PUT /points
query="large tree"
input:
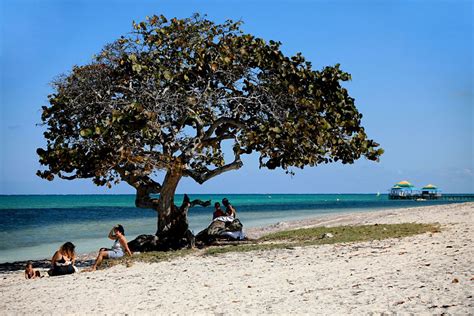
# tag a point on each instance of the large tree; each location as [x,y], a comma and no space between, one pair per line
[165,97]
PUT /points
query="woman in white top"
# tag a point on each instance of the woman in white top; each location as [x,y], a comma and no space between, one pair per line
[117,234]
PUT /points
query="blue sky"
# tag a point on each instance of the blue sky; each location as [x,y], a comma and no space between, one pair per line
[411,65]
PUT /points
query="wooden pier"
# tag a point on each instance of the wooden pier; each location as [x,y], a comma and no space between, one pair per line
[457,197]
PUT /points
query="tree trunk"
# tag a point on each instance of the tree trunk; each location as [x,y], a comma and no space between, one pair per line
[173,229]
[166,206]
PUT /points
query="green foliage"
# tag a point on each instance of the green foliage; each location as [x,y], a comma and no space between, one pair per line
[148,257]
[342,234]
[167,95]
[292,238]
[352,233]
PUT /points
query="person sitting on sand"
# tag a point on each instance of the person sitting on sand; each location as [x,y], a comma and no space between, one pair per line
[31,273]
[218,212]
[117,233]
[229,209]
[63,260]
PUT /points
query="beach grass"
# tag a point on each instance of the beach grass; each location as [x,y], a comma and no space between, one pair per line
[149,257]
[352,233]
[292,238]
[328,235]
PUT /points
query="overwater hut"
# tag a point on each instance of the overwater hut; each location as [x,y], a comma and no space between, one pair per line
[430,192]
[403,190]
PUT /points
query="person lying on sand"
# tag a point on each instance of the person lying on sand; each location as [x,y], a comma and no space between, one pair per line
[31,273]
[120,245]
[63,260]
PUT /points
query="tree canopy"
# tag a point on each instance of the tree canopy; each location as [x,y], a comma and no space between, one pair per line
[168,94]
[165,97]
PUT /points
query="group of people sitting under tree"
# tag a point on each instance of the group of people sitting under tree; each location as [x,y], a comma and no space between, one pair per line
[224,225]
[65,257]
[229,209]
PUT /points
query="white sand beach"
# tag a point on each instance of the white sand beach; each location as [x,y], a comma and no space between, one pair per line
[432,273]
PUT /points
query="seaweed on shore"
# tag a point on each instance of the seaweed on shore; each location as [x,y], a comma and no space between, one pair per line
[38,264]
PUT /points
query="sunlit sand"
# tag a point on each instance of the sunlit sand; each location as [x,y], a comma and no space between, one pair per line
[430,273]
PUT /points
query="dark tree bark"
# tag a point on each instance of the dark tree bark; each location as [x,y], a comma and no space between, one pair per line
[167,219]
[173,226]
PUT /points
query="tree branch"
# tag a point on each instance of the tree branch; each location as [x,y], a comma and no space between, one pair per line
[219,122]
[188,203]
[189,119]
[144,200]
[199,125]
[145,186]
[75,176]
[220,138]
[204,174]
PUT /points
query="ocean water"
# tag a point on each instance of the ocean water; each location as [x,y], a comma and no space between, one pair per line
[34,226]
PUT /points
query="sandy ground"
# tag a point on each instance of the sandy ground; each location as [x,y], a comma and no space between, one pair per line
[424,274]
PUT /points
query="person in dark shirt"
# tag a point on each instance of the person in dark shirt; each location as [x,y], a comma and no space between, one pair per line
[217,211]
[63,260]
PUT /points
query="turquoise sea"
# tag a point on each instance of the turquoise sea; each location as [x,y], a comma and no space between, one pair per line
[34,226]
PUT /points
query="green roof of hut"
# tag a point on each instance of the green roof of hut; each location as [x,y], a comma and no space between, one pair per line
[404,184]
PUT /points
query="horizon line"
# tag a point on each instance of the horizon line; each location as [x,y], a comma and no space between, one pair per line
[226,193]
